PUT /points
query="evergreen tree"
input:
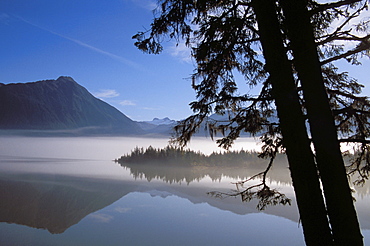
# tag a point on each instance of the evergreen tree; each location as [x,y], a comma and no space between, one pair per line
[298,81]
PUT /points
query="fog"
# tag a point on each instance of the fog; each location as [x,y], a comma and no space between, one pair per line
[100,148]
[60,154]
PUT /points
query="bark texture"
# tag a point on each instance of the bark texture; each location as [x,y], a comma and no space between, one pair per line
[301,160]
[338,197]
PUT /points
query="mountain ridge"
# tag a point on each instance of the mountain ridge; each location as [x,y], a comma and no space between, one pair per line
[62,107]
[60,104]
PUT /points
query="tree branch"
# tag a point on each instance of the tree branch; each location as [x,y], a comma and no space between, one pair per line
[364,45]
[349,109]
[348,95]
[323,7]
[354,140]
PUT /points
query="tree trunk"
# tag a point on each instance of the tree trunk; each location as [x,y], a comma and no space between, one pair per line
[301,161]
[341,211]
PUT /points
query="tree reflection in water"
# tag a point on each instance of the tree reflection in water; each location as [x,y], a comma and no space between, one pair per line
[176,165]
[55,202]
[172,164]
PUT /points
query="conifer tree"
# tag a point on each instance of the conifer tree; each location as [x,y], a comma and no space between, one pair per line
[297,80]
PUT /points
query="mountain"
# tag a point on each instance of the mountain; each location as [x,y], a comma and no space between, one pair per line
[166,126]
[164,121]
[61,105]
[158,126]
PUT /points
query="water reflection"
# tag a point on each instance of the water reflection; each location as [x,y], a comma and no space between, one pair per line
[54,202]
[171,173]
[279,177]
[49,199]
[50,194]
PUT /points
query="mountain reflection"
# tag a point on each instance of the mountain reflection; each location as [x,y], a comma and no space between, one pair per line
[279,177]
[54,203]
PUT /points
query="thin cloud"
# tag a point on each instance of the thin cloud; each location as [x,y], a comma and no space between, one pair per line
[107,94]
[4,18]
[154,109]
[146,4]
[100,217]
[122,210]
[351,27]
[127,103]
[181,51]
[85,45]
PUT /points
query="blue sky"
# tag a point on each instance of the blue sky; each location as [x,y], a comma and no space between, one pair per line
[90,40]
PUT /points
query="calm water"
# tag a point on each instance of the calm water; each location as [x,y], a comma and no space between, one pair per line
[67,191]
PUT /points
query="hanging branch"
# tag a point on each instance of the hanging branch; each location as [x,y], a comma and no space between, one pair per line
[261,191]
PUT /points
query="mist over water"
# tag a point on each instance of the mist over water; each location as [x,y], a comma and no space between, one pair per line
[72,191]
[100,148]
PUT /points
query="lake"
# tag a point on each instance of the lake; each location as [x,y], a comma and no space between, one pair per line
[68,191]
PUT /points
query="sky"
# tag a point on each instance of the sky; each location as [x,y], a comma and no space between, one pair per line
[90,41]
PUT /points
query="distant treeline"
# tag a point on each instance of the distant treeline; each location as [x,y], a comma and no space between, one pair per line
[176,165]
[172,164]
[171,155]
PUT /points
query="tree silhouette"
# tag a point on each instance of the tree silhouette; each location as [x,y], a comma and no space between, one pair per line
[298,84]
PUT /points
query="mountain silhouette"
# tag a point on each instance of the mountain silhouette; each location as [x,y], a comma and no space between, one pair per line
[60,104]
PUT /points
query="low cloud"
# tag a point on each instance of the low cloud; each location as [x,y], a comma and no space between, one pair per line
[106,93]
[127,103]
